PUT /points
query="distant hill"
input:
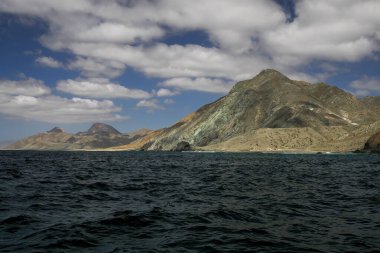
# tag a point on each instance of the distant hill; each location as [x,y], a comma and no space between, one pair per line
[98,136]
[101,129]
[273,112]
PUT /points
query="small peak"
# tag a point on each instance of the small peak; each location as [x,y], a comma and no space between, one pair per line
[101,128]
[56,130]
[270,73]
[265,76]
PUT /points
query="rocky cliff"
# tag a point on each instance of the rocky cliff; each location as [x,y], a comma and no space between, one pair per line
[273,112]
[373,144]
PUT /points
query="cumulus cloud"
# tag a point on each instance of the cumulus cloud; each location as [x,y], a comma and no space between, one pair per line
[109,36]
[92,67]
[366,86]
[99,88]
[108,32]
[29,86]
[326,30]
[119,33]
[112,21]
[49,62]
[151,105]
[166,93]
[31,99]
[54,109]
[199,84]
[234,26]
[167,61]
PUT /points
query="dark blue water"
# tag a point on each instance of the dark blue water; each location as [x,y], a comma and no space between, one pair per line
[188,202]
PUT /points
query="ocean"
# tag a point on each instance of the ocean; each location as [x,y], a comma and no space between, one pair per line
[188,202]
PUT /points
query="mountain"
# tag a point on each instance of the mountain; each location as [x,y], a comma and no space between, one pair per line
[272,112]
[98,136]
[101,129]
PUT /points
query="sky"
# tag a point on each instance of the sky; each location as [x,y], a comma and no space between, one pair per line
[148,63]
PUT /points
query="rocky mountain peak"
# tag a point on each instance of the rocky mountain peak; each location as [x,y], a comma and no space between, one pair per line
[101,128]
[56,130]
[266,78]
[270,73]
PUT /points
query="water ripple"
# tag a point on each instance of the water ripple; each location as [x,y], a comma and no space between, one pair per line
[188,202]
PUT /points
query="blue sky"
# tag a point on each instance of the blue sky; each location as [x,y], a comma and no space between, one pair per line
[148,63]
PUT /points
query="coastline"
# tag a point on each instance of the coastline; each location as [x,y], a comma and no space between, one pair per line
[282,151]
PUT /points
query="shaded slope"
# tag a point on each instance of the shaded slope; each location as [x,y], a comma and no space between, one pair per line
[373,143]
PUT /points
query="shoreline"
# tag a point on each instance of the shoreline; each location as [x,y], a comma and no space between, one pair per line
[286,152]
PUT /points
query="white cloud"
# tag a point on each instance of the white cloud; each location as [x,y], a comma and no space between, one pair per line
[233,23]
[199,84]
[366,86]
[80,27]
[119,33]
[31,99]
[49,62]
[95,89]
[326,30]
[247,36]
[29,87]
[56,109]
[111,21]
[168,61]
[166,93]
[152,105]
[91,67]
[24,100]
